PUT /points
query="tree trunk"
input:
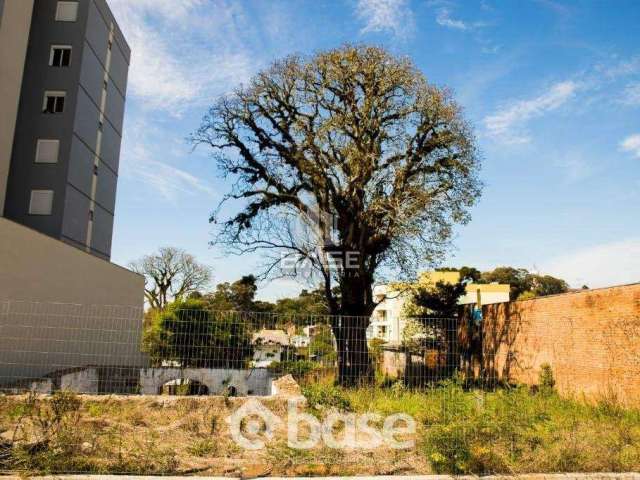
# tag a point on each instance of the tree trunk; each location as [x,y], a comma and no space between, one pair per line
[355,366]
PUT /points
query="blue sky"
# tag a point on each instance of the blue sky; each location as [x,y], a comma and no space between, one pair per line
[552,88]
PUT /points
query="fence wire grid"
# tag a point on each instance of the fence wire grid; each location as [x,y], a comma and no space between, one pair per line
[100,389]
[120,350]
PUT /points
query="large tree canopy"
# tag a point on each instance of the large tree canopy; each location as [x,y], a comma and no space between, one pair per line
[350,154]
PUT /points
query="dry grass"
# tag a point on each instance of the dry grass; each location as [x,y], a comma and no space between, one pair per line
[509,431]
[159,435]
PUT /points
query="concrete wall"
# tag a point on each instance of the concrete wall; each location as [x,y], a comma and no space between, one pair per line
[62,308]
[83,381]
[40,269]
[15,22]
[149,381]
[217,380]
[591,340]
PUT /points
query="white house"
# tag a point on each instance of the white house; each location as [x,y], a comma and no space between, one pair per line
[300,341]
[268,347]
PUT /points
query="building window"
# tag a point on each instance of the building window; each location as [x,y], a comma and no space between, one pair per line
[60,56]
[47,151]
[41,202]
[53,102]
[67,12]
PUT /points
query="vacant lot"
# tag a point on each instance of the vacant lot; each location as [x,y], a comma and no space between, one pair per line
[458,430]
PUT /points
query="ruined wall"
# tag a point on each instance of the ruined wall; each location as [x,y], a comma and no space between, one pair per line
[591,340]
[245,382]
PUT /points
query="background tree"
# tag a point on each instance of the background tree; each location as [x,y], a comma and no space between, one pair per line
[191,335]
[322,347]
[170,274]
[237,296]
[439,300]
[438,312]
[525,285]
[547,285]
[299,309]
[516,277]
[348,153]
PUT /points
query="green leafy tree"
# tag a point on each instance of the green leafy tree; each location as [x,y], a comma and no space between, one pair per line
[238,296]
[525,285]
[438,307]
[351,155]
[471,274]
[440,300]
[547,285]
[322,347]
[518,278]
[300,310]
[188,334]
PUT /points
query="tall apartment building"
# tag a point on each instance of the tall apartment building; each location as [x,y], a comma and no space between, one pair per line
[63,78]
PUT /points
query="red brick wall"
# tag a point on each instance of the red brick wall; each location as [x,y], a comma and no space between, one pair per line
[591,340]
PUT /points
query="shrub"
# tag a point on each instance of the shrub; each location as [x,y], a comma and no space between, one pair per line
[327,396]
[546,382]
[297,368]
[50,433]
[189,334]
[202,448]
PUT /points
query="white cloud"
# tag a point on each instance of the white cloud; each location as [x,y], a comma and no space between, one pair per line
[443,18]
[506,124]
[631,95]
[386,16]
[631,144]
[556,7]
[614,263]
[143,146]
[170,69]
[620,68]
[169,181]
[575,167]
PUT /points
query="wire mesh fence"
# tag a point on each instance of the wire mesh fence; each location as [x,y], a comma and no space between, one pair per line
[119,350]
[175,392]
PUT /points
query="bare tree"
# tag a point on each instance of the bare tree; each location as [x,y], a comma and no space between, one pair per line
[170,274]
[348,164]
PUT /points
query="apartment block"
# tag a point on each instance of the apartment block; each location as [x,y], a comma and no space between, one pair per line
[63,80]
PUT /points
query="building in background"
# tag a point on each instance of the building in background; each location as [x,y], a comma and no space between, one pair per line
[388,320]
[269,346]
[63,304]
[63,81]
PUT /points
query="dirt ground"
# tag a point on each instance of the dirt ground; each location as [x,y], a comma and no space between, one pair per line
[177,435]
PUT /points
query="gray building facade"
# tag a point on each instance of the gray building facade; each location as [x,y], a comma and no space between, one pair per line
[66,146]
